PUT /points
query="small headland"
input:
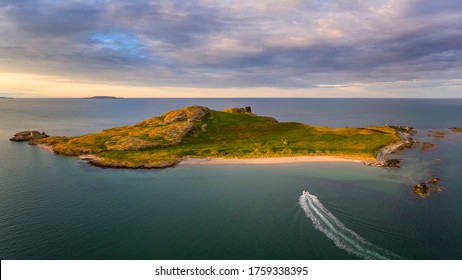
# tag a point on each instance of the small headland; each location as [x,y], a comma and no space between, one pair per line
[102,97]
[407,141]
[30,136]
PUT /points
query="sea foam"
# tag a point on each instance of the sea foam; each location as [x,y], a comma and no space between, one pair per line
[344,238]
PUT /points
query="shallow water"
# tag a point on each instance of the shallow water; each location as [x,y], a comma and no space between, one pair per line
[54,207]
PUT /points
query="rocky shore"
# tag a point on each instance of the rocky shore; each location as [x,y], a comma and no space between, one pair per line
[98,162]
[423,189]
[456,129]
[28,136]
[406,134]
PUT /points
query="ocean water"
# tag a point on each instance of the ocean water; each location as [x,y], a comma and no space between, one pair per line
[55,207]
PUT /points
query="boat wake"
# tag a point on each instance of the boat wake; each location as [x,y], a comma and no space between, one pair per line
[344,238]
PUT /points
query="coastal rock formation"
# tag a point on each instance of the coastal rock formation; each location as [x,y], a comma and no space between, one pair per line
[435,181]
[394,163]
[30,136]
[456,129]
[245,110]
[423,189]
[407,142]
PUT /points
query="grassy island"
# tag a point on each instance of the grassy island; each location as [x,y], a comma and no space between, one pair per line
[199,132]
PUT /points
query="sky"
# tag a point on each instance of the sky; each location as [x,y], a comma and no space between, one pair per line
[231,48]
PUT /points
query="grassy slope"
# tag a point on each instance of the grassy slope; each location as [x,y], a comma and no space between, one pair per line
[234,135]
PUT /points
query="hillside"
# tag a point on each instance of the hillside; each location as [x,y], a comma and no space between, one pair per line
[200,132]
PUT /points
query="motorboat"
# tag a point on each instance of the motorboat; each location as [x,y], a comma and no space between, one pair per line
[305,192]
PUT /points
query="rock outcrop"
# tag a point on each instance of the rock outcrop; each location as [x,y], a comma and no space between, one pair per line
[423,189]
[29,135]
[456,129]
[407,142]
[245,110]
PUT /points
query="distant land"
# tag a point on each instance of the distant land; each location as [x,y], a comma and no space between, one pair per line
[103,97]
[198,132]
[1,97]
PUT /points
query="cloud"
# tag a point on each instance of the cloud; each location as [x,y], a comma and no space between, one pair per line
[234,43]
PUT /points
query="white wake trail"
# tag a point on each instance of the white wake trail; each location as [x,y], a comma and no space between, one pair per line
[344,238]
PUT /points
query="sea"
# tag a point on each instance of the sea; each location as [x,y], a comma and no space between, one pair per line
[56,207]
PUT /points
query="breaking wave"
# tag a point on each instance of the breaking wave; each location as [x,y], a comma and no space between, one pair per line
[344,238]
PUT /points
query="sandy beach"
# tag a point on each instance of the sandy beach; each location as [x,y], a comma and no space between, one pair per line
[45,147]
[230,161]
[277,160]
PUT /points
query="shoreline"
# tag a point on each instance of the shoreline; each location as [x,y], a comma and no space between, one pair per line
[380,160]
[95,161]
[264,161]
[407,141]
[45,147]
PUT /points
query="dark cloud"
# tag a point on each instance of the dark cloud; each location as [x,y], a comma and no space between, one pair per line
[234,43]
[47,18]
[425,7]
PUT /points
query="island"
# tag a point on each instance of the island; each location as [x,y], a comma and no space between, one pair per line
[29,136]
[103,97]
[202,135]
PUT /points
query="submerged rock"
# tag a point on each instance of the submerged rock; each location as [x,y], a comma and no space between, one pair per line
[427,146]
[438,134]
[29,135]
[435,181]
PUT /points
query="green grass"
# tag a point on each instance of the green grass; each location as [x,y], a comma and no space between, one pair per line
[239,135]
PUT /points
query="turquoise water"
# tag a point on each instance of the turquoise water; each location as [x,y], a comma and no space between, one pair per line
[54,207]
